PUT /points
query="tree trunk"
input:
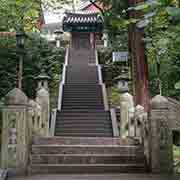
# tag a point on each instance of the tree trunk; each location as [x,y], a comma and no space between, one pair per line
[139,62]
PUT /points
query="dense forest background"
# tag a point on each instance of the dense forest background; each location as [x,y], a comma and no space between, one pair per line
[160,20]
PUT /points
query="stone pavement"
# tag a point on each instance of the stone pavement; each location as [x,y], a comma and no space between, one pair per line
[99,177]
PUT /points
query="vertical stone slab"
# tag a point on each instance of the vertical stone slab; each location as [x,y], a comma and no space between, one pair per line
[34,118]
[161,137]
[14,152]
[127,113]
[42,99]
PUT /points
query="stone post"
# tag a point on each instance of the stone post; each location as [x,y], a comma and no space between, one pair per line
[15,140]
[127,113]
[142,130]
[161,137]
[139,122]
[34,118]
[42,98]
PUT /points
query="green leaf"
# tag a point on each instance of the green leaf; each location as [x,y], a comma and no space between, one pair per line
[174,12]
[177,85]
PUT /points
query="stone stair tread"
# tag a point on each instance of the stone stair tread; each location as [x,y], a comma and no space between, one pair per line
[84,140]
[81,130]
[83,125]
[96,165]
[93,146]
[88,155]
[84,110]
[84,134]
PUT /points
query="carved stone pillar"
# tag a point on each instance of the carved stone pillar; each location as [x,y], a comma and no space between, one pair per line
[161,136]
[15,139]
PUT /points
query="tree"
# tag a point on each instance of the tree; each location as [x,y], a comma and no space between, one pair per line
[161,22]
[19,14]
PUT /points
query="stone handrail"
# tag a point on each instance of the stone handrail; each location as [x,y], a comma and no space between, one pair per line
[99,74]
[53,122]
[104,93]
[114,122]
[105,98]
[63,80]
[96,56]
[67,56]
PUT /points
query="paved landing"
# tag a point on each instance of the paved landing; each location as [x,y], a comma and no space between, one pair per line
[98,177]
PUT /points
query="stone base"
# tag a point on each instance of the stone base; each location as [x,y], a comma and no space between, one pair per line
[3,174]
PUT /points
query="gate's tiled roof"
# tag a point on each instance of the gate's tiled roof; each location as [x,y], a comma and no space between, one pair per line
[82,18]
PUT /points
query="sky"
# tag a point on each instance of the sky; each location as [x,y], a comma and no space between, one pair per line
[55,17]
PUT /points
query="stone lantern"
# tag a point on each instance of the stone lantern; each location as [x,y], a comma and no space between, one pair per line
[58,35]
[42,81]
[121,83]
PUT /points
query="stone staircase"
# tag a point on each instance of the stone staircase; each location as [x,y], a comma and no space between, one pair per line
[86,155]
[83,123]
[82,111]
[83,141]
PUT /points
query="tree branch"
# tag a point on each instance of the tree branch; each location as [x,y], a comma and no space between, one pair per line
[93,3]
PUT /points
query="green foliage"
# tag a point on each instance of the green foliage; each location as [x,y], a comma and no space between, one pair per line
[163,45]
[116,21]
[19,14]
[161,21]
[176,151]
[113,96]
[39,55]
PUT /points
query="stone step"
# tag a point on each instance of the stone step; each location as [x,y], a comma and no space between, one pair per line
[85,91]
[82,107]
[71,117]
[84,111]
[81,101]
[87,134]
[83,68]
[83,86]
[83,115]
[87,149]
[72,93]
[83,130]
[83,96]
[83,141]
[86,159]
[82,104]
[79,120]
[69,81]
[86,168]
[78,80]
[63,124]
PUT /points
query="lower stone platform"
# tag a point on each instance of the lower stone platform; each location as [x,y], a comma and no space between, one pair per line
[99,177]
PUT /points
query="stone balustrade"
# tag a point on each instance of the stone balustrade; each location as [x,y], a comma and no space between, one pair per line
[22,119]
